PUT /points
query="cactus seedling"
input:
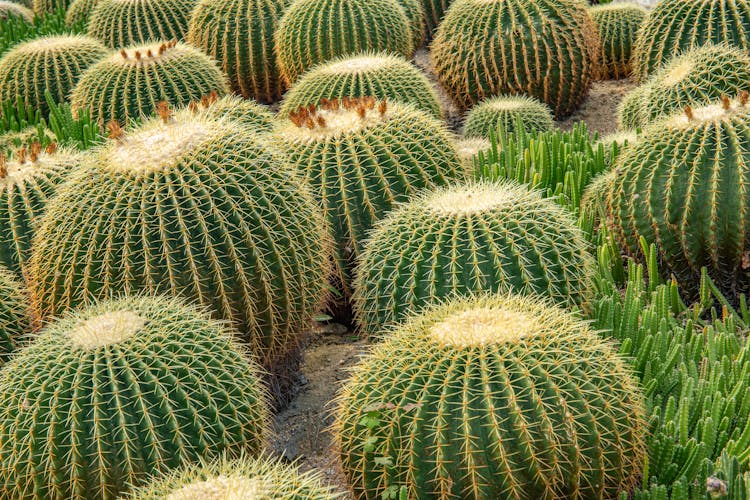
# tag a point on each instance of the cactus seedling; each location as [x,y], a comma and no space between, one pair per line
[505,113]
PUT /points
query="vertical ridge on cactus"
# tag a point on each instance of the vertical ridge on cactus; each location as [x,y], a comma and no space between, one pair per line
[415,14]
[15,323]
[505,113]
[618,25]
[79,11]
[434,12]
[42,7]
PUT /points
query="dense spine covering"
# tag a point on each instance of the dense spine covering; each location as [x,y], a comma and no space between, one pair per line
[548,49]
[122,390]
[42,7]
[361,158]
[415,14]
[468,239]
[359,26]
[494,397]
[248,113]
[594,199]
[468,149]
[80,11]
[618,25]
[379,75]
[675,26]
[434,12]
[505,113]
[631,113]
[15,9]
[15,323]
[195,207]
[239,34]
[11,141]
[53,64]
[682,187]
[128,85]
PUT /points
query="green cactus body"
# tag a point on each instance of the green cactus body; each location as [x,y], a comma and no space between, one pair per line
[42,7]
[80,11]
[240,479]
[15,9]
[60,59]
[359,26]
[621,139]
[122,23]
[469,239]
[122,390]
[248,113]
[381,75]
[505,112]
[15,324]
[361,165]
[696,78]
[239,34]
[618,25]
[468,149]
[682,187]
[494,397]
[594,199]
[415,14]
[128,85]
[434,12]
[12,141]
[195,207]
[631,113]
[676,26]
[548,49]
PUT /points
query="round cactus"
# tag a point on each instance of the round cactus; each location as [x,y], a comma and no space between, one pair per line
[53,64]
[122,390]
[548,49]
[248,113]
[381,76]
[15,10]
[362,157]
[128,85]
[468,149]
[618,25]
[631,113]
[121,23]
[676,26]
[239,34]
[79,12]
[622,139]
[42,7]
[359,26]
[696,78]
[434,12]
[505,112]
[594,199]
[243,478]
[15,323]
[492,397]
[682,187]
[469,239]
[415,14]
[197,207]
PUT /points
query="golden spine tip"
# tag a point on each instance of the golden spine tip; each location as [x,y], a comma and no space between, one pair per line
[164,112]
[21,154]
[51,148]
[689,112]
[744,95]
[3,166]
[725,102]
[114,131]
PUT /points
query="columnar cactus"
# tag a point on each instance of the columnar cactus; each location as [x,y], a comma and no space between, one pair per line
[129,84]
[123,390]
[122,23]
[196,207]
[618,25]
[548,49]
[239,34]
[15,324]
[16,10]
[358,26]
[493,397]
[434,12]
[248,113]
[675,26]
[631,112]
[53,63]
[505,112]
[682,187]
[361,158]
[382,76]
[468,239]
[79,11]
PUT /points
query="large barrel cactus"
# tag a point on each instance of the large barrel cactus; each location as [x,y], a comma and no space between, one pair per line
[248,113]
[682,187]
[382,76]
[548,49]
[675,26]
[495,397]
[195,207]
[469,239]
[358,26]
[618,25]
[53,63]
[415,14]
[15,323]
[122,23]
[16,10]
[240,35]
[361,158]
[505,113]
[79,11]
[631,113]
[127,388]
[129,84]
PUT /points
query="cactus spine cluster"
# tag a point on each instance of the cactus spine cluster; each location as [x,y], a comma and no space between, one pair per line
[15,323]
[130,84]
[505,113]
[468,239]
[122,390]
[382,76]
[361,157]
[195,207]
[11,141]
[618,25]
[122,23]
[359,26]
[53,64]
[548,49]
[15,9]
[630,112]
[494,397]
[248,113]
[239,34]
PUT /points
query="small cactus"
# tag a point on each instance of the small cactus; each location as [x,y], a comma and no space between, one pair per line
[15,323]
[42,7]
[79,11]
[16,10]
[251,115]
[594,198]
[631,113]
[618,25]
[622,139]
[468,149]
[505,112]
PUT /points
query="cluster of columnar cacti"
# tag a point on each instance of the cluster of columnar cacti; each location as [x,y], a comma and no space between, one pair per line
[130,84]
[51,64]
[15,322]
[248,113]
[548,49]
[503,113]
[494,397]
[618,25]
[15,9]
[122,390]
